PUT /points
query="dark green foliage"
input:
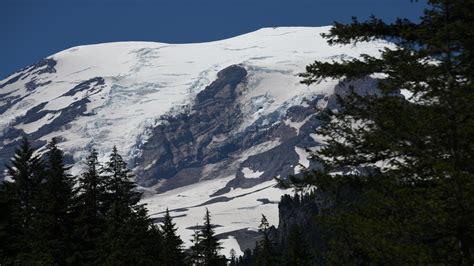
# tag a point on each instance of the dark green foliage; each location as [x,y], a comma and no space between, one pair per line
[20,202]
[92,190]
[172,244]
[154,244]
[209,243]
[195,251]
[11,233]
[266,250]
[90,211]
[297,252]
[47,219]
[206,246]
[124,240]
[54,224]
[27,172]
[248,259]
[122,198]
[407,192]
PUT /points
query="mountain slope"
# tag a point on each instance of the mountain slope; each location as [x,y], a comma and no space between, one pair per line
[230,113]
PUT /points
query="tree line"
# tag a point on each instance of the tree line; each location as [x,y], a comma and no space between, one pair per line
[269,251]
[49,217]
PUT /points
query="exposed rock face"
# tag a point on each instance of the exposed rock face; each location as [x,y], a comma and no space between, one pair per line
[91,86]
[184,144]
[207,141]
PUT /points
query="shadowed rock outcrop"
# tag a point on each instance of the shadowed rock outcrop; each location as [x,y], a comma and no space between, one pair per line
[207,142]
[188,142]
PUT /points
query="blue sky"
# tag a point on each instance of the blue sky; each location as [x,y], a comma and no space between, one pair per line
[34,29]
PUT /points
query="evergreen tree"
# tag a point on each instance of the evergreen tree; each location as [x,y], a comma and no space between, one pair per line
[264,225]
[154,244]
[10,230]
[54,223]
[195,251]
[90,210]
[248,259]
[122,197]
[21,201]
[127,225]
[266,253]
[406,195]
[172,243]
[209,243]
[27,172]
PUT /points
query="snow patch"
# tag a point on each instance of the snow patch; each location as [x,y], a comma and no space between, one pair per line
[249,173]
[150,165]
[303,159]
[297,125]
[407,94]
[242,209]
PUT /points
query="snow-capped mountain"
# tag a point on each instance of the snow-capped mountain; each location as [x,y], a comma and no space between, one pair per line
[205,124]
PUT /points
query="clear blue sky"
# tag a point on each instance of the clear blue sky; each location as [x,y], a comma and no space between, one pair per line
[34,29]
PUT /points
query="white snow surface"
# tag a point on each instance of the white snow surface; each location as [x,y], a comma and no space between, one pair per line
[242,211]
[303,159]
[249,173]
